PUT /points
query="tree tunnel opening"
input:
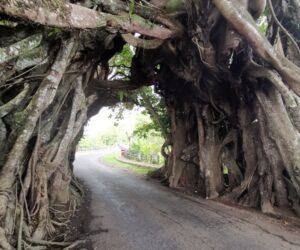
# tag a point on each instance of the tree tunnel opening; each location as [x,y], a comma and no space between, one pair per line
[135,121]
[119,139]
[113,127]
[227,74]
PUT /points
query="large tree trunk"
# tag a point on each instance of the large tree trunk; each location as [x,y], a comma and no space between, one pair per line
[39,128]
[242,115]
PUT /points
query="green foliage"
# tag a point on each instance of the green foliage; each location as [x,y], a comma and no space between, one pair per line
[120,69]
[143,97]
[120,64]
[131,7]
[145,126]
[149,145]
[7,23]
[143,130]
[146,141]
[153,124]
[53,32]
[154,107]
[123,58]
[120,94]
[262,23]
[107,138]
[117,113]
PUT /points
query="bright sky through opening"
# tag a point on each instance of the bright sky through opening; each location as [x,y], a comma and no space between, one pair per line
[102,122]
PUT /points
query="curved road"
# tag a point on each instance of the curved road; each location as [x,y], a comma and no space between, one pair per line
[142,215]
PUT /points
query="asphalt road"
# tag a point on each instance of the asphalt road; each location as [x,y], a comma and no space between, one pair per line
[141,214]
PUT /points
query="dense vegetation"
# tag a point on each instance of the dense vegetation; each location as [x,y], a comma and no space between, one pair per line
[141,142]
[230,90]
[103,139]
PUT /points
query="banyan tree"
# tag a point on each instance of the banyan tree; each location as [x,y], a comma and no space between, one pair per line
[227,71]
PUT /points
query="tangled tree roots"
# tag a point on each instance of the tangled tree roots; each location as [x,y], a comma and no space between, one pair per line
[52,81]
[239,117]
[231,92]
[41,128]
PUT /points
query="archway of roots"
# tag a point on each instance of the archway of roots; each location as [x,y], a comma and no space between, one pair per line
[230,90]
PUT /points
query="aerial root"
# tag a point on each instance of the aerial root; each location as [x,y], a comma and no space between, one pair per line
[20,233]
[66,245]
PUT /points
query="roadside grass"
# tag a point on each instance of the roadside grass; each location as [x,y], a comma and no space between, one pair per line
[112,160]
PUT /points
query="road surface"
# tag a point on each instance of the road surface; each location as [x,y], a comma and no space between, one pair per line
[143,215]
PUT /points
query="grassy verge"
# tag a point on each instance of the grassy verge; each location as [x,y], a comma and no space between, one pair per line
[112,160]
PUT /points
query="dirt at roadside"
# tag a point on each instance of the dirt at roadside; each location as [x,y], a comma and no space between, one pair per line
[78,227]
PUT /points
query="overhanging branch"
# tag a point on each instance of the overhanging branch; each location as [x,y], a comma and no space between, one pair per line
[114,84]
[143,43]
[242,21]
[75,16]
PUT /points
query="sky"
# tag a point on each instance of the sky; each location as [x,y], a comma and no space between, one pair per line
[101,122]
